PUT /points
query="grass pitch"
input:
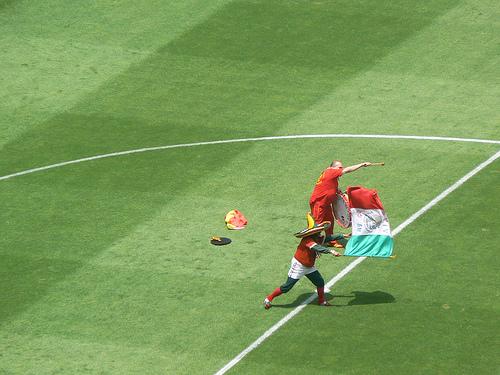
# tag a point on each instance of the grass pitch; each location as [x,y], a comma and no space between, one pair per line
[106,265]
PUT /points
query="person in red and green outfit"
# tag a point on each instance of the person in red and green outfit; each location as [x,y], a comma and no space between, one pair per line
[310,248]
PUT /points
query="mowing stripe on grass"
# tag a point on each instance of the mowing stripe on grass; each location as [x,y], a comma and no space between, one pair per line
[273,138]
[353,264]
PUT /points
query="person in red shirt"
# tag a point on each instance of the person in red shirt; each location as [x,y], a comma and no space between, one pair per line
[310,247]
[325,191]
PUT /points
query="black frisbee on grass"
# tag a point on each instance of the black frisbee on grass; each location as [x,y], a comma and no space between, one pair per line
[219,241]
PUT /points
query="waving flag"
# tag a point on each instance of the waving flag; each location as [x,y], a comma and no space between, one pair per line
[371,233]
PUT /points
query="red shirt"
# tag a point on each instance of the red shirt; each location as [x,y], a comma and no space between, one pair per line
[304,254]
[326,187]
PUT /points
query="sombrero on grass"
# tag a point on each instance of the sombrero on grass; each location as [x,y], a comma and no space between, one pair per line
[220,241]
[312,227]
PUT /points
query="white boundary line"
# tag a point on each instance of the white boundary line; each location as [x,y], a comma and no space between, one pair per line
[350,266]
[303,136]
[353,264]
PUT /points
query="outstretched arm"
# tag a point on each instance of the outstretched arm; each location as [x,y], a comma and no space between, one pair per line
[355,167]
[322,250]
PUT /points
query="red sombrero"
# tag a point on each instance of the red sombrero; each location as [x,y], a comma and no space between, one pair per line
[312,227]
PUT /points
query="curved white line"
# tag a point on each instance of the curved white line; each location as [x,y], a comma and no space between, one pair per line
[302,136]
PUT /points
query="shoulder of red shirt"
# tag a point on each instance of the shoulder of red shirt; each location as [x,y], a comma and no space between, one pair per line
[335,170]
[308,242]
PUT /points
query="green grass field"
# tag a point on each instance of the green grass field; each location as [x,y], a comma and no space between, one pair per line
[106,266]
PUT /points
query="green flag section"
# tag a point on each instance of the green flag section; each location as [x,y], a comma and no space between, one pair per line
[370,246]
[371,233]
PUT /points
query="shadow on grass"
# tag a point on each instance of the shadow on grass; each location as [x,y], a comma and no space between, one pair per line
[363,298]
[298,301]
[356,298]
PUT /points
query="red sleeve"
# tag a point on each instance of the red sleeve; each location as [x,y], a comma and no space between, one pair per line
[309,242]
[333,173]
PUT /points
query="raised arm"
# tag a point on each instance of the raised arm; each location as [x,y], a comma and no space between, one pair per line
[355,167]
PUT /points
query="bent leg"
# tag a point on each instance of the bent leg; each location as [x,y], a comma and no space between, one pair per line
[322,213]
[290,282]
[316,278]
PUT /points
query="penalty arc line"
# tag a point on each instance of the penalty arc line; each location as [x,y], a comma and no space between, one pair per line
[355,263]
[226,141]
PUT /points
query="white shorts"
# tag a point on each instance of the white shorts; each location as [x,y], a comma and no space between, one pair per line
[297,269]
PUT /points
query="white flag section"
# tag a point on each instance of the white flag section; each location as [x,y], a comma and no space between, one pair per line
[369,221]
[371,232]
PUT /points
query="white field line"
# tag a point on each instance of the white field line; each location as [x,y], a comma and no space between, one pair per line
[303,136]
[353,264]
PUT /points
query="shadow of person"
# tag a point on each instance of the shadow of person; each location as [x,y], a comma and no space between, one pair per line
[298,301]
[368,298]
[356,298]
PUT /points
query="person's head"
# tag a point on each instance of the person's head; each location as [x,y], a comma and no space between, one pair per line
[336,164]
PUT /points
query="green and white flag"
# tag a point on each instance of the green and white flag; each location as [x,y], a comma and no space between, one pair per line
[371,233]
